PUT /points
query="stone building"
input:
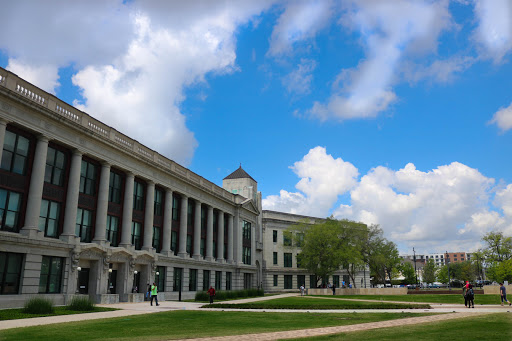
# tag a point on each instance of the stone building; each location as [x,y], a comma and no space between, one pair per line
[281,270]
[85,209]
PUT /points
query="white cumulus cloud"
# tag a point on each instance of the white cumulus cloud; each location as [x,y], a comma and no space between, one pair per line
[503,118]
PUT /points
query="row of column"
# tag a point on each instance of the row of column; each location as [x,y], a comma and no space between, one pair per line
[36,192]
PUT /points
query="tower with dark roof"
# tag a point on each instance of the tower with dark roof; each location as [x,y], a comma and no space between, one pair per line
[241,183]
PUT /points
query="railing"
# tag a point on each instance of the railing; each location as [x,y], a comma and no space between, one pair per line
[21,87]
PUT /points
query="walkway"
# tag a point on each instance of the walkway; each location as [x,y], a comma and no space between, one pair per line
[128,309]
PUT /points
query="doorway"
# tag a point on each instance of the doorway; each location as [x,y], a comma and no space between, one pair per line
[83,281]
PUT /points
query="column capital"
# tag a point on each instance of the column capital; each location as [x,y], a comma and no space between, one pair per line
[3,121]
[42,137]
[77,152]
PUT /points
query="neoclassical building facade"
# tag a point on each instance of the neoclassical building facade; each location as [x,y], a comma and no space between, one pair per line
[85,209]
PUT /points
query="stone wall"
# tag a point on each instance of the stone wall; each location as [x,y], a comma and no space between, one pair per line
[495,290]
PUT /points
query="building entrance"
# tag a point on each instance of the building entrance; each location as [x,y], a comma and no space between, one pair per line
[83,281]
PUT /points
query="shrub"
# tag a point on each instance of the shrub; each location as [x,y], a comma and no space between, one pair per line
[221,295]
[81,304]
[202,296]
[38,305]
[243,293]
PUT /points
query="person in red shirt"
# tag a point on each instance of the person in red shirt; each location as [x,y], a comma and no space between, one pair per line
[211,292]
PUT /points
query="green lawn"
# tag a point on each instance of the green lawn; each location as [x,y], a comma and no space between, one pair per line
[13,314]
[439,298]
[317,303]
[496,327]
[186,324]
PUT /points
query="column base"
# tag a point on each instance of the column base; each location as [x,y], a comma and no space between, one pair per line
[197,257]
[32,233]
[209,259]
[183,254]
[221,260]
[150,248]
[102,242]
[70,239]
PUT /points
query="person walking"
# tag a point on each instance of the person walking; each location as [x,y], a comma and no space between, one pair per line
[464,293]
[211,292]
[302,289]
[154,294]
[503,294]
[470,296]
[334,289]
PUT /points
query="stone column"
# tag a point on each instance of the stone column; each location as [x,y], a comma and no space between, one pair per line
[220,237]
[35,192]
[72,197]
[182,252]
[149,215]
[209,235]
[126,227]
[197,231]
[237,238]
[230,239]
[166,235]
[3,125]
[102,206]
[253,244]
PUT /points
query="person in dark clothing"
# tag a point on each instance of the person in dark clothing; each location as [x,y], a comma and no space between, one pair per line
[211,292]
[334,289]
[470,296]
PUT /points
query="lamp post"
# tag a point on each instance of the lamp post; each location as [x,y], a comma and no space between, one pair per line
[109,281]
[134,276]
[415,271]
[448,265]
[157,278]
[78,280]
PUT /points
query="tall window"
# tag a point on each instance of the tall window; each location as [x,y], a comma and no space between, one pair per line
[160,278]
[228,280]
[300,239]
[10,272]
[246,233]
[192,283]
[178,275]
[88,178]
[336,280]
[246,255]
[288,279]
[301,280]
[156,238]
[10,204]
[189,244]
[276,279]
[138,196]
[287,238]
[112,228]
[274,236]
[312,281]
[83,225]
[136,235]
[15,153]
[158,202]
[275,258]
[114,188]
[287,260]
[218,280]
[49,218]
[174,241]
[175,208]
[206,279]
[51,275]
[55,167]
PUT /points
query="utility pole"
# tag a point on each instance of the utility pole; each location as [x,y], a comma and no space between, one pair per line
[415,271]
[448,264]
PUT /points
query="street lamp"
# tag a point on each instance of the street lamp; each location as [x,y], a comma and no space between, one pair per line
[134,276]
[446,258]
[157,278]
[78,279]
[109,281]
[415,271]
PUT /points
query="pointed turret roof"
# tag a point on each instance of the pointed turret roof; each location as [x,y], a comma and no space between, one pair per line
[239,174]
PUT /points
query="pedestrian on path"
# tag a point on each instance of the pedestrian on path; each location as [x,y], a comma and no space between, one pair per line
[464,293]
[334,289]
[503,293]
[470,296]
[302,289]
[154,294]
[211,292]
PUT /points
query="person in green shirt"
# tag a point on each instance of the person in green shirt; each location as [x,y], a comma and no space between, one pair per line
[154,293]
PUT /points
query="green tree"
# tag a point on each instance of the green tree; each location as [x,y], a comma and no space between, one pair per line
[409,273]
[429,272]
[380,254]
[500,272]
[498,248]
[442,274]
[329,246]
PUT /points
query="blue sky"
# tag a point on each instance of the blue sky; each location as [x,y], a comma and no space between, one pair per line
[395,113]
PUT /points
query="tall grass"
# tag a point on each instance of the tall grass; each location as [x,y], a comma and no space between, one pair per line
[202,296]
[38,305]
[81,304]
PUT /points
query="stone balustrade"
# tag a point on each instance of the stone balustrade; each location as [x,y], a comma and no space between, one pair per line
[21,87]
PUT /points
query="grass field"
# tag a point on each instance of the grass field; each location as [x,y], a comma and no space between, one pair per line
[428,298]
[13,314]
[186,324]
[318,303]
[496,327]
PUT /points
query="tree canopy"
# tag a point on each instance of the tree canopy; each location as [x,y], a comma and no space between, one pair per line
[496,256]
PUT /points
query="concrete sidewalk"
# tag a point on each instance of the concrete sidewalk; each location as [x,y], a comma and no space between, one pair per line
[129,309]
